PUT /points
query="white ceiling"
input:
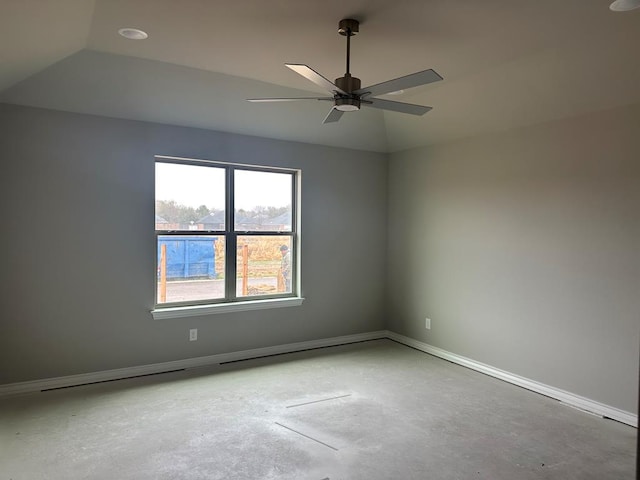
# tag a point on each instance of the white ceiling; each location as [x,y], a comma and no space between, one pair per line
[505,63]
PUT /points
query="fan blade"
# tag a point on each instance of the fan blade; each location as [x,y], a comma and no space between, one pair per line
[333,116]
[287,99]
[396,106]
[315,77]
[402,83]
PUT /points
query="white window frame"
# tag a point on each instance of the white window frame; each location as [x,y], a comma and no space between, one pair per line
[231,302]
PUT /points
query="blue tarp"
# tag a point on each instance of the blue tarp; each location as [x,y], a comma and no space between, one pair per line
[188,256]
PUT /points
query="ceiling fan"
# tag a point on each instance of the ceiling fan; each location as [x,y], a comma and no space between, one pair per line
[347,96]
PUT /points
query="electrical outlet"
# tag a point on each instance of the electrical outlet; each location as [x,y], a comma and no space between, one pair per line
[427,323]
[193,334]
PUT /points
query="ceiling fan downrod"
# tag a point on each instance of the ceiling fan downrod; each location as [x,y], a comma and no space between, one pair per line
[348,27]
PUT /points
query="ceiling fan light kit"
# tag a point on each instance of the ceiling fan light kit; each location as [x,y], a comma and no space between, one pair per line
[347,104]
[346,91]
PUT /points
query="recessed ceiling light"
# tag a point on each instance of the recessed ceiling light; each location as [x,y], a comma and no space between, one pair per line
[133,33]
[624,5]
[397,92]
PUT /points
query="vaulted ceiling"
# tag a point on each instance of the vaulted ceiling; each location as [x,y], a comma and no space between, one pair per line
[505,63]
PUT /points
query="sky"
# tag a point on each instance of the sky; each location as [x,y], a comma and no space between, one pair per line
[193,186]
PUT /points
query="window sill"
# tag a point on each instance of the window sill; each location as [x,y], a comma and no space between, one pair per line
[199,310]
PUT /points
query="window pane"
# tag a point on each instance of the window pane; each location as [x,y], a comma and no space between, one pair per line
[262,201]
[263,265]
[190,268]
[189,197]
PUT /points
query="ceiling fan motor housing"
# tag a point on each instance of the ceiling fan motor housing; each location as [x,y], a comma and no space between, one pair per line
[348,83]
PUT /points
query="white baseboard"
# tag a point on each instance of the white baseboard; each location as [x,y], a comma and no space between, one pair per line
[568,398]
[120,373]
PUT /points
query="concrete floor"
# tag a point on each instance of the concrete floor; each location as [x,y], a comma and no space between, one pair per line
[373,410]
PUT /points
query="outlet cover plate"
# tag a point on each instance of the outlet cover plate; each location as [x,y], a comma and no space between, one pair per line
[193,334]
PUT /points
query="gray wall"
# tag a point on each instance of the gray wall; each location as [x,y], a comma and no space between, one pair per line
[522,247]
[78,253]
[524,250]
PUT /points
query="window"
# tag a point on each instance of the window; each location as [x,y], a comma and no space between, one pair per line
[226,233]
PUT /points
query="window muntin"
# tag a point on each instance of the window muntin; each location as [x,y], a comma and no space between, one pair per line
[194,241]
